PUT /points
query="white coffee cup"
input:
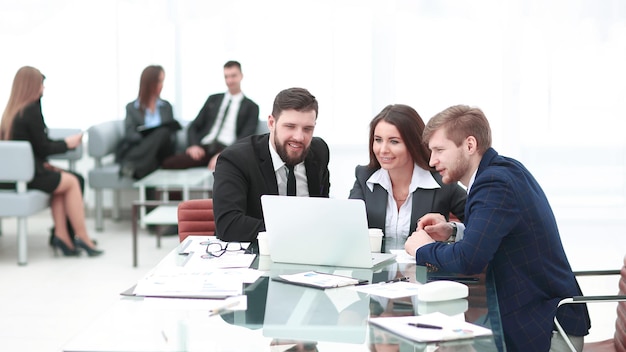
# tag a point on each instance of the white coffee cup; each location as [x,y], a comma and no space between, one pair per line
[264,247]
[376,240]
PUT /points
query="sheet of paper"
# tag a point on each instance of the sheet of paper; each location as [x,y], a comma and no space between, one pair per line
[390,290]
[195,248]
[402,256]
[228,260]
[451,328]
[190,304]
[179,283]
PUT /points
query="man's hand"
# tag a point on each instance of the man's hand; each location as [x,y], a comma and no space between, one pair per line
[51,167]
[213,161]
[436,226]
[417,239]
[196,152]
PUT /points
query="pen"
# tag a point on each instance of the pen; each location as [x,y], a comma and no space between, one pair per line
[425,326]
[223,308]
[395,280]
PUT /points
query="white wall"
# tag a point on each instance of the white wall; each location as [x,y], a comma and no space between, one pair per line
[549,74]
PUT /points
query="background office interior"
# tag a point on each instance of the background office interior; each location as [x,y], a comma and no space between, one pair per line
[548,74]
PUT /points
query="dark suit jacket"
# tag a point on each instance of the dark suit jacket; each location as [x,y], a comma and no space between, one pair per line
[444,200]
[510,227]
[247,119]
[244,172]
[30,126]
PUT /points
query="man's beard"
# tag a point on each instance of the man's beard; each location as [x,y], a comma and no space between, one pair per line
[281,149]
[459,170]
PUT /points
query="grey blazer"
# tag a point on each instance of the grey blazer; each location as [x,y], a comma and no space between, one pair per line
[135,118]
[445,200]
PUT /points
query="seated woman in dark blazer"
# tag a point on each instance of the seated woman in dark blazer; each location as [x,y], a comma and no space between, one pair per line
[398,186]
[149,128]
[23,120]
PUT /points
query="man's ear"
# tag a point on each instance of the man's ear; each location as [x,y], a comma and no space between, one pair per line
[271,122]
[470,145]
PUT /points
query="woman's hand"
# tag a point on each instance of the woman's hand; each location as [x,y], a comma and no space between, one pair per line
[74,141]
[417,239]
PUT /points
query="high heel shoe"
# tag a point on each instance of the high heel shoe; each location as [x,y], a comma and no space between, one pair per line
[127,170]
[92,252]
[67,251]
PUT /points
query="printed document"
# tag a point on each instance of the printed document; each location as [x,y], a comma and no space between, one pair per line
[433,327]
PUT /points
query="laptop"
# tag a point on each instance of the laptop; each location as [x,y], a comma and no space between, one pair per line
[319,231]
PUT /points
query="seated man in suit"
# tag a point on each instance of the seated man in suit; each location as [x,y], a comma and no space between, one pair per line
[224,118]
[260,164]
[509,229]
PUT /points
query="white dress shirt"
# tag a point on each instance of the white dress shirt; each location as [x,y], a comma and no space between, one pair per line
[280,169]
[398,221]
[460,227]
[228,134]
[152,118]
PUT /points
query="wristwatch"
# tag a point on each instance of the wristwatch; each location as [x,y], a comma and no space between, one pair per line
[452,237]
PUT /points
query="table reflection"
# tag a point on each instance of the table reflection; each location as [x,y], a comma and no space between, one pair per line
[298,318]
[279,345]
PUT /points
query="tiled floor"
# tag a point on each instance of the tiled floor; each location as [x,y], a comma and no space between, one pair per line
[44,304]
[48,301]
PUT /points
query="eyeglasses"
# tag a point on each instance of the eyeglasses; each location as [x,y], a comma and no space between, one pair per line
[217,249]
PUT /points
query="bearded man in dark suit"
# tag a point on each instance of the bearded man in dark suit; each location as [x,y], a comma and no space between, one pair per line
[261,164]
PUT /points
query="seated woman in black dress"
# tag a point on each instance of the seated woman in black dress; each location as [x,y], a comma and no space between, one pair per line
[22,120]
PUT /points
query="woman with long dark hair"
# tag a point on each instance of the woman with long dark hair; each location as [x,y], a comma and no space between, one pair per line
[150,128]
[398,186]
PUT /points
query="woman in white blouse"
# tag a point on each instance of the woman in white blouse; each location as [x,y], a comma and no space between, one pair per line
[397,185]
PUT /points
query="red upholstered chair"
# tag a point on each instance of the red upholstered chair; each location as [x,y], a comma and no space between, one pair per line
[618,342]
[195,217]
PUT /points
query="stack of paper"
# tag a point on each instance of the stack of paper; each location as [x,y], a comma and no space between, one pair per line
[197,274]
[433,327]
[210,284]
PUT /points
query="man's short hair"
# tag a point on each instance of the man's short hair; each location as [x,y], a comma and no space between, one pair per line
[460,122]
[232,63]
[298,99]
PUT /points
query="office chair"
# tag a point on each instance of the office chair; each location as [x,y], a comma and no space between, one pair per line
[195,217]
[618,342]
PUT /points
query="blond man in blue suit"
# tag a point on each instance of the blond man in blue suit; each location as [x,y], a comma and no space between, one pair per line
[510,231]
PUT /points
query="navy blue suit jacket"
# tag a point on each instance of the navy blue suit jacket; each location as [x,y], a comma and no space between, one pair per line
[511,230]
[244,171]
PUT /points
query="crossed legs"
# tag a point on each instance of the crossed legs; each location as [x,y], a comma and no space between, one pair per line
[67,203]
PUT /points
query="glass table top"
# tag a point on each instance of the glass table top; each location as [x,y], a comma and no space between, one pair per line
[281,317]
